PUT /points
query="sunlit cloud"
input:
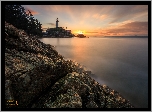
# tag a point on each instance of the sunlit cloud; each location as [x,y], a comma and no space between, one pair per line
[99,19]
[52,24]
[31,10]
[125,12]
[91,32]
[133,28]
[99,16]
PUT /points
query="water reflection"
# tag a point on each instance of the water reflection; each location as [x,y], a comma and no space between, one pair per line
[122,64]
[58,41]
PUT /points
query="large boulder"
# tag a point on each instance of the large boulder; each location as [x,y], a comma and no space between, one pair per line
[36,76]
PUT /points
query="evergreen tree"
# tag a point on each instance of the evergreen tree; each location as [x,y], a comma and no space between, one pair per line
[16,15]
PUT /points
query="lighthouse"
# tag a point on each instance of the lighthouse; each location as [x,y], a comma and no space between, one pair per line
[57,22]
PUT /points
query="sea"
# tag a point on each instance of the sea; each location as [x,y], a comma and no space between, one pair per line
[121,63]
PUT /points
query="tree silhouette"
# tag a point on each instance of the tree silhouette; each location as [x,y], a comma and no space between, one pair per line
[16,15]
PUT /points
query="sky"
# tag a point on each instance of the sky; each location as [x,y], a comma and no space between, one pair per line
[94,20]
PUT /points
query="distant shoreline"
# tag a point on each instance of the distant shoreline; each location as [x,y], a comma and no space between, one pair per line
[128,36]
[104,37]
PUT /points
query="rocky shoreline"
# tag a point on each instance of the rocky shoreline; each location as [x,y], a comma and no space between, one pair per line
[37,76]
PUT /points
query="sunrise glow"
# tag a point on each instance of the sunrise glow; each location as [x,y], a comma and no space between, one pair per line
[80,32]
[113,20]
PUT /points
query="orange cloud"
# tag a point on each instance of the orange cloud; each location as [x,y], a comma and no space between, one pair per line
[132,28]
[92,32]
[32,11]
[98,20]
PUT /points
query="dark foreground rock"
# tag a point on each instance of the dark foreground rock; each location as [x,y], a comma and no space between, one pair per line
[36,76]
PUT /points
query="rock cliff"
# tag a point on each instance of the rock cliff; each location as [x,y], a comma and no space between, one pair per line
[37,76]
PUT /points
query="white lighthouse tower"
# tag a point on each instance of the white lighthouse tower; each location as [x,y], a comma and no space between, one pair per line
[57,22]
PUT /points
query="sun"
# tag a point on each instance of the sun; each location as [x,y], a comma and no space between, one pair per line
[80,32]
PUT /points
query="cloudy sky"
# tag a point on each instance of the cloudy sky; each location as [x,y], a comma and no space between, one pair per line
[94,20]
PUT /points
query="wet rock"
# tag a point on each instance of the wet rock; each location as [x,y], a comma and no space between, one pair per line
[73,83]
[36,76]
[91,104]
[8,89]
[70,99]
[24,79]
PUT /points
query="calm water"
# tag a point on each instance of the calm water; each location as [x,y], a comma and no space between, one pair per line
[120,63]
